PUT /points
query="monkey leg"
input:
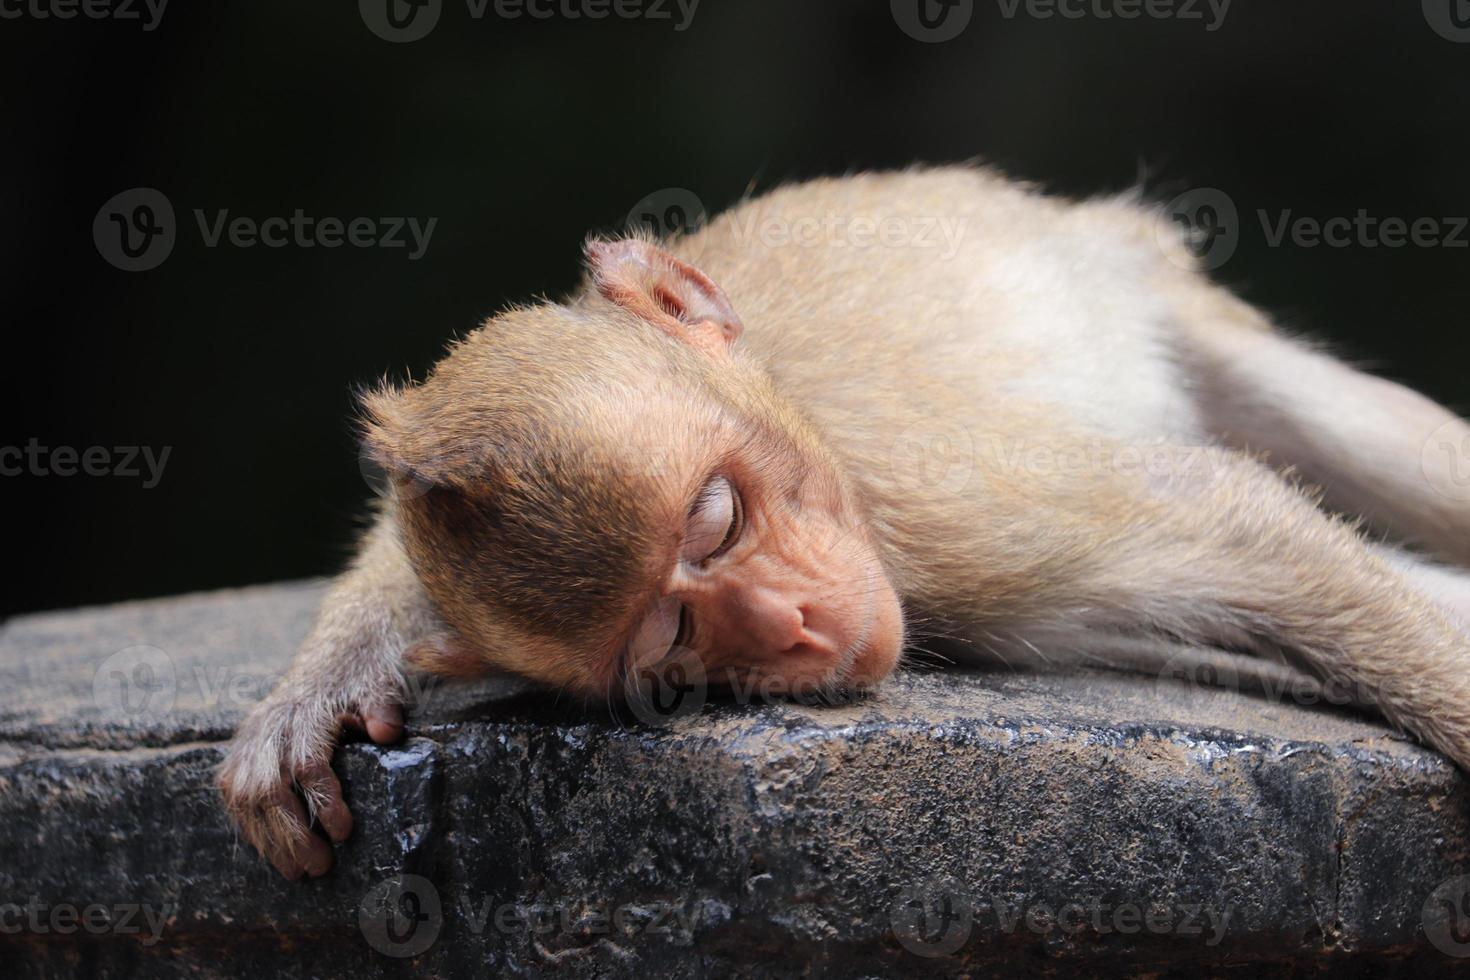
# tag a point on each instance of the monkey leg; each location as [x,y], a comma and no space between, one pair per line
[1376,448]
[350,671]
[1227,552]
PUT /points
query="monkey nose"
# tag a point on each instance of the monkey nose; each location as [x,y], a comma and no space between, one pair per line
[822,632]
[799,630]
[781,630]
[776,623]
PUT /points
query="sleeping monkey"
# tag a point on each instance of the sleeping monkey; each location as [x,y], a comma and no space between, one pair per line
[782,445]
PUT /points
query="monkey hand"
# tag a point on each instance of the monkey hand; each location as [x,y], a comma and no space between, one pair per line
[277,777]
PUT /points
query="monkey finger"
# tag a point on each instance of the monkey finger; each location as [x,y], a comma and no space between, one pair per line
[321,786]
[315,855]
[352,722]
[274,841]
[295,849]
[384,723]
[285,863]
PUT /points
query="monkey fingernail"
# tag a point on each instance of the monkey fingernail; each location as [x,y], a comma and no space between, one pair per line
[336,820]
[384,723]
[317,857]
[288,868]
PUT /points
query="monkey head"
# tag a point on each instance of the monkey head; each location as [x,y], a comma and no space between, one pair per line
[590,488]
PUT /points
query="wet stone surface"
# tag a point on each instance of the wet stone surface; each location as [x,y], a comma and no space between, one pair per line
[956,824]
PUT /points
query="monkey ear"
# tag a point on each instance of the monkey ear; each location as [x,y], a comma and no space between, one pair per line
[405,451]
[388,455]
[672,295]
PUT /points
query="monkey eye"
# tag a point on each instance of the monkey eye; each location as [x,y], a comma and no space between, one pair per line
[714,523]
[713,526]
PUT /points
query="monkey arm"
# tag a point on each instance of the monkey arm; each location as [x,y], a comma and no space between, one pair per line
[350,670]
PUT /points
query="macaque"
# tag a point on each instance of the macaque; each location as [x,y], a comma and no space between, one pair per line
[793,442]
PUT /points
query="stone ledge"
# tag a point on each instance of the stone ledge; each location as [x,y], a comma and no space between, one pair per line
[1175,830]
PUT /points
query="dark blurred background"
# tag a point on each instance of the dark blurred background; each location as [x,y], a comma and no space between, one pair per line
[520,135]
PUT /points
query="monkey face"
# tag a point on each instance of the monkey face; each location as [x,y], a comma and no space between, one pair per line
[585,492]
[773,583]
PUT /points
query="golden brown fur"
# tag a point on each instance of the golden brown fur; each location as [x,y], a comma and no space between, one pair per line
[1045,422]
